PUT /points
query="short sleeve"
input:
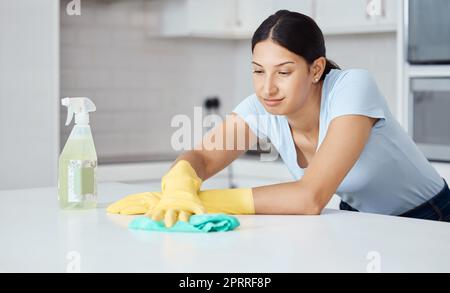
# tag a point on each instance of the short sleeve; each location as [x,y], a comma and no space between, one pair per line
[254,114]
[356,93]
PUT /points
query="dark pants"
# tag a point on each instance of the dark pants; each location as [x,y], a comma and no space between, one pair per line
[437,208]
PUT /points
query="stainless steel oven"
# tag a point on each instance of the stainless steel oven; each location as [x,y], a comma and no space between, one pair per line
[429,116]
[429,32]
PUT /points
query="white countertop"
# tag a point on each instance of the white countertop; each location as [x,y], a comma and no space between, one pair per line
[38,237]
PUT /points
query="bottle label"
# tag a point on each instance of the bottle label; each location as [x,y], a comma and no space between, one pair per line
[82,180]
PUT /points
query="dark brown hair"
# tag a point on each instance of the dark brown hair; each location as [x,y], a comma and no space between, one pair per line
[296,32]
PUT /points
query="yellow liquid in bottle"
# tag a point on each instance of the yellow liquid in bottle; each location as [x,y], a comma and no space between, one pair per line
[77,182]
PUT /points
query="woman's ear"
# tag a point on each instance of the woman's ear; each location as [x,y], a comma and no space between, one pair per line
[318,68]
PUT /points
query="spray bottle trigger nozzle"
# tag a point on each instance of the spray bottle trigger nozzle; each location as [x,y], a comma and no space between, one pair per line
[80,106]
[66,102]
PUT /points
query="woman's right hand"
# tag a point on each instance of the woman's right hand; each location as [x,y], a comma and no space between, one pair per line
[179,199]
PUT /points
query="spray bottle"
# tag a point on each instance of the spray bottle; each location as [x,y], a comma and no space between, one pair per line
[77,182]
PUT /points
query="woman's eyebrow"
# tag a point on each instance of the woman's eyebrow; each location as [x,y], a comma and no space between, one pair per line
[284,63]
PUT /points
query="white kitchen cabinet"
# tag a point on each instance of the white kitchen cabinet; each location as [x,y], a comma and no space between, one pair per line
[355,16]
[235,19]
[196,17]
[302,6]
[249,15]
[232,19]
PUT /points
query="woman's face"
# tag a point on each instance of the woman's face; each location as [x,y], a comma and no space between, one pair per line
[282,80]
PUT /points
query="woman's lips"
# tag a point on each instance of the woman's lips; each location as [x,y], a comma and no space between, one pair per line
[273,102]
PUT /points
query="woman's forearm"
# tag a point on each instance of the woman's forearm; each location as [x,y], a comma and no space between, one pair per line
[292,198]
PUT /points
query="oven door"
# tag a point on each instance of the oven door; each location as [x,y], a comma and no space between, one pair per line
[429,32]
[429,116]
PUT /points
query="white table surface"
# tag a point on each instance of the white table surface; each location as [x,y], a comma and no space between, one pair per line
[36,236]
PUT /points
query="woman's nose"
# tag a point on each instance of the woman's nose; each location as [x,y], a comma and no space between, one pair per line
[270,87]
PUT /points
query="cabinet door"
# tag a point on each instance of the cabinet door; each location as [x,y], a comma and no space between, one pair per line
[354,16]
[302,6]
[220,18]
[250,14]
[211,17]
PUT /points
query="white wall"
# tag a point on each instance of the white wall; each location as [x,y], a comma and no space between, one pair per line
[243,70]
[28,93]
[375,52]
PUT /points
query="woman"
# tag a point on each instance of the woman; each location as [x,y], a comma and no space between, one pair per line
[332,129]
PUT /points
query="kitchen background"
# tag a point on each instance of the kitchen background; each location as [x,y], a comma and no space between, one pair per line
[144,61]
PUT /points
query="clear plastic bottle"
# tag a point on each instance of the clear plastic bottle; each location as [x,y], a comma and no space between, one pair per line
[77,180]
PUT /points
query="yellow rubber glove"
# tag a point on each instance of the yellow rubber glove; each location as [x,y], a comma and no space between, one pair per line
[238,201]
[135,204]
[228,201]
[179,200]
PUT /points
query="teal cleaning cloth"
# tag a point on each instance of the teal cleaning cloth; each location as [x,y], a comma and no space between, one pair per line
[197,223]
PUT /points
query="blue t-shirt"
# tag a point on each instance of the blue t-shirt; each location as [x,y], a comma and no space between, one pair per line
[391,175]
